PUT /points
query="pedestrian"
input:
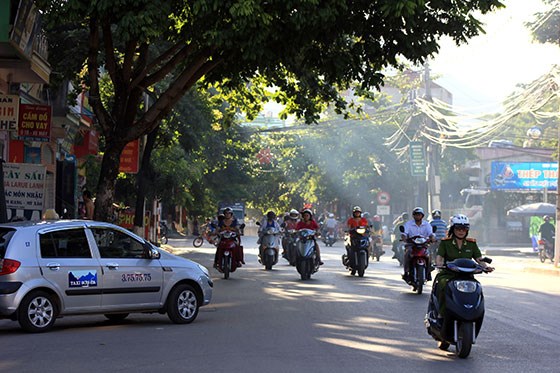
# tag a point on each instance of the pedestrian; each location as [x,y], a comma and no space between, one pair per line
[88,205]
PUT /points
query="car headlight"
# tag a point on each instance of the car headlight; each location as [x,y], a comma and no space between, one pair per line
[466,286]
[204,270]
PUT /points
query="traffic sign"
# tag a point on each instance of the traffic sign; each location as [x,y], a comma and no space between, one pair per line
[417,158]
[383,198]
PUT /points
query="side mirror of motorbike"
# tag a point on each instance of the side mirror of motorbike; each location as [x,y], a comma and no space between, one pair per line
[401,228]
[258,223]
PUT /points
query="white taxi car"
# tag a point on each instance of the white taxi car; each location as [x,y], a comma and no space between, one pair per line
[70,267]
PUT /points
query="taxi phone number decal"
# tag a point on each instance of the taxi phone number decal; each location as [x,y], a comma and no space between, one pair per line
[136,277]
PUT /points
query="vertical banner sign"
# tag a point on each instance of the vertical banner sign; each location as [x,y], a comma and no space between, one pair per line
[130,157]
[9,107]
[417,158]
[34,122]
[24,188]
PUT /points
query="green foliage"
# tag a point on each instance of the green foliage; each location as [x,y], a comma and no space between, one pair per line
[546,24]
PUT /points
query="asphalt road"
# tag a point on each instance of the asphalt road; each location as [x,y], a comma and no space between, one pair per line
[272,321]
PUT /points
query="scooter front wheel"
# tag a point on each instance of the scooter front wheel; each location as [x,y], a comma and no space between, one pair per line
[465,339]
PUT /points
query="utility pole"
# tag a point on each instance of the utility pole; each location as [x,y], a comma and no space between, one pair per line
[433,150]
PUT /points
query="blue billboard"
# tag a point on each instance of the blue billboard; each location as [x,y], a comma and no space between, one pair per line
[524,176]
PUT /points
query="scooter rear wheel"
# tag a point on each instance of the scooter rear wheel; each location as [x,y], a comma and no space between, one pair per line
[197,242]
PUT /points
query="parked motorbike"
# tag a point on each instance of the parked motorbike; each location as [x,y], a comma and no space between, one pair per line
[229,252]
[306,260]
[357,243]
[419,259]
[329,238]
[546,250]
[268,249]
[464,308]
[289,244]
[377,247]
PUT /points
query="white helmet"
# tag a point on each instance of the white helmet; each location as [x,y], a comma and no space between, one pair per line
[460,220]
[294,213]
[331,215]
[357,208]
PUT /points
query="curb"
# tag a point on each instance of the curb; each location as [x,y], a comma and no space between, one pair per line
[544,270]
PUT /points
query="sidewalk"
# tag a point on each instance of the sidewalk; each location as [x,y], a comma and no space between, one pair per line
[525,252]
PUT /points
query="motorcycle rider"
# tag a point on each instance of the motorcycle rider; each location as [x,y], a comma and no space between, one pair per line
[330,224]
[269,221]
[441,229]
[400,220]
[290,222]
[230,222]
[416,226]
[547,230]
[355,221]
[455,245]
[377,230]
[307,222]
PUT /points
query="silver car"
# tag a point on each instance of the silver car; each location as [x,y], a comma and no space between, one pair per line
[71,267]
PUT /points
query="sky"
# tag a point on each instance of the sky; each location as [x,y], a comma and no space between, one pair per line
[482,73]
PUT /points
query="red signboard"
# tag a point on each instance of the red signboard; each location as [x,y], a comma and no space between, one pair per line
[34,122]
[130,157]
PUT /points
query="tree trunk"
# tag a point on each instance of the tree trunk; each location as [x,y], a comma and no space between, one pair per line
[143,180]
[107,181]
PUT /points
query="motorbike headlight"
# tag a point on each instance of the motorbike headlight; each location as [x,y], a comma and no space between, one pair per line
[465,286]
[361,230]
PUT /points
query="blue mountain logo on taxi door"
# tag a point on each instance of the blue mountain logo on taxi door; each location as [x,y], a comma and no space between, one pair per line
[80,279]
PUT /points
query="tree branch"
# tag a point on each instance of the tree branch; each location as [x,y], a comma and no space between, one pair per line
[168,67]
[128,61]
[110,62]
[93,71]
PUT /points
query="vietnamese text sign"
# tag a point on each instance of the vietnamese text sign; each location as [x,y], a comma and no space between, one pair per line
[9,107]
[24,186]
[417,158]
[34,122]
[130,157]
[524,175]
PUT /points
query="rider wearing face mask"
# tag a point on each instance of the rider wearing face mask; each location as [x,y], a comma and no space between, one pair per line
[307,222]
[417,226]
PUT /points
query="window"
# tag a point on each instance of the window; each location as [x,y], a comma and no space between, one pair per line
[5,236]
[116,244]
[69,243]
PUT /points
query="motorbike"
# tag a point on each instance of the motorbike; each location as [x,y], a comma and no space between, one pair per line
[546,250]
[377,247]
[419,259]
[464,308]
[229,252]
[209,235]
[329,238]
[289,245]
[306,259]
[357,243]
[268,249]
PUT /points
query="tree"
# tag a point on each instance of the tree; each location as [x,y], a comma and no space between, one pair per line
[304,50]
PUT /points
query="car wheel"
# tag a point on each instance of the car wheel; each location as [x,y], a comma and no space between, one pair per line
[182,304]
[116,316]
[37,312]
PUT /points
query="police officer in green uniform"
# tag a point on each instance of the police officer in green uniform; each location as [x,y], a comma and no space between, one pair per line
[455,245]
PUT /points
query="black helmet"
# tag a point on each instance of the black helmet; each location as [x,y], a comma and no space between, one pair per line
[271,215]
[546,218]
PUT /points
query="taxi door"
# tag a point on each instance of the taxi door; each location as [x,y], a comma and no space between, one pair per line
[67,263]
[130,280]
